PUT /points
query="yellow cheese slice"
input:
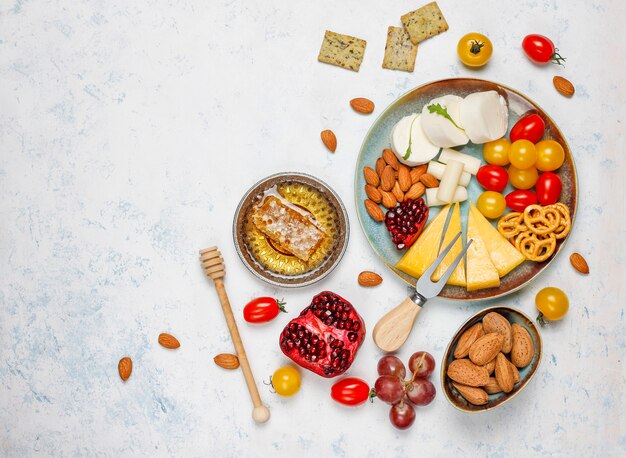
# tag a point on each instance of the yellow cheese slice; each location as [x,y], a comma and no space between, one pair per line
[481,272]
[503,255]
[454,227]
[425,249]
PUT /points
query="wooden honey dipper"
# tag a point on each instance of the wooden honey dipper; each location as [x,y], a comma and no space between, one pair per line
[213,265]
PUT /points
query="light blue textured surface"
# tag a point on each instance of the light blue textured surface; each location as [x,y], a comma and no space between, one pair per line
[128,133]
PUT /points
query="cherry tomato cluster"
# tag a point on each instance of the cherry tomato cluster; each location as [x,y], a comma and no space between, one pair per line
[526,155]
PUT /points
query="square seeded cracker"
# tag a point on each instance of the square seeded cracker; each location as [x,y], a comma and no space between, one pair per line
[424,22]
[399,51]
[342,50]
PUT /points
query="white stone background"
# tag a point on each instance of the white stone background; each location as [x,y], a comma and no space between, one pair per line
[129,131]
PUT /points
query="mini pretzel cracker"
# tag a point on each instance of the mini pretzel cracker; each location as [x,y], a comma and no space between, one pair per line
[510,225]
[541,220]
[535,247]
[535,231]
[566,223]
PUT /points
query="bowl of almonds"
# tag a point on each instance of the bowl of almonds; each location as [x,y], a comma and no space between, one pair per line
[490,359]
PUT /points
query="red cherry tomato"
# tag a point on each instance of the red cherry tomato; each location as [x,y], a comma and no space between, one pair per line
[493,177]
[520,199]
[350,391]
[530,127]
[262,309]
[548,188]
[541,50]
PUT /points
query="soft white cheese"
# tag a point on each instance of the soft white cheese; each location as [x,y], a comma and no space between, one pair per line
[437,169]
[408,139]
[484,116]
[450,180]
[439,129]
[471,164]
[460,195]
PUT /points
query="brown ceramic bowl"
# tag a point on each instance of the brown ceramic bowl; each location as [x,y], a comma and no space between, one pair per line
[526,373]
[378,138]
[268,262]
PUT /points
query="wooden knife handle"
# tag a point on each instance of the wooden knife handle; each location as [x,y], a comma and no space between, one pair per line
[394,327]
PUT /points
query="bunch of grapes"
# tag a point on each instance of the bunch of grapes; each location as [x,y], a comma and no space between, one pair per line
[392,388]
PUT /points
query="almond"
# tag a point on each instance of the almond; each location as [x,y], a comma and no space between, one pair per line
[429,180]
[380,166]
[417,172]
[490,366]
[467,339]
[374,210]
[522,349]
[329,140]
[476,396]
[397,192]
[466,372]
[579,263]
[362,105]
[492,387]
[387,179]
[367,278]
[390,159]
[388,199]
[125,367]
[227,361]
[168,341]
[415,191]
[371,177]
[504,374]
[494,322]
[563,86]
[404,178]
[515,372]
[486,348]
[373,193]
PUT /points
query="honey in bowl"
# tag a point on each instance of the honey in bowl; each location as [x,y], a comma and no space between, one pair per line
[274,256]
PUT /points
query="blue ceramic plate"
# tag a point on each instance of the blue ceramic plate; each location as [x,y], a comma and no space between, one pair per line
[378,138]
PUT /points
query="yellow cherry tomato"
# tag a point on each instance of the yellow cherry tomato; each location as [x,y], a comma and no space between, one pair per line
[522,154]
[523,178]
[286,381]
[550,155]
[497,151]
[474,49]
[552,304]
[491,204]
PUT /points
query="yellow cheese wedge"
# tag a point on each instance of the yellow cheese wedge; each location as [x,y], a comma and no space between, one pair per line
[481,272]
[503,255]
[454,227]
[425,249]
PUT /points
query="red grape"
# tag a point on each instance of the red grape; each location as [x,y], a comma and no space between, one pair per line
[391,365]
[427,367]
[402,415]
[389,389]
[421,392]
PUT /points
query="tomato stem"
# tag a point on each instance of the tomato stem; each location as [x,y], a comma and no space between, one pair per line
[541,320]
[476,46]
[556,58]
[371,395]
[281,305]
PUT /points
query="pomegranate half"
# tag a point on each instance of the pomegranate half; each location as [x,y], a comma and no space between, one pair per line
[325,337]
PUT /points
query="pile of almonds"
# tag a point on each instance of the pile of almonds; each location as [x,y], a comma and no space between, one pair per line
[481,353]
[391,183]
